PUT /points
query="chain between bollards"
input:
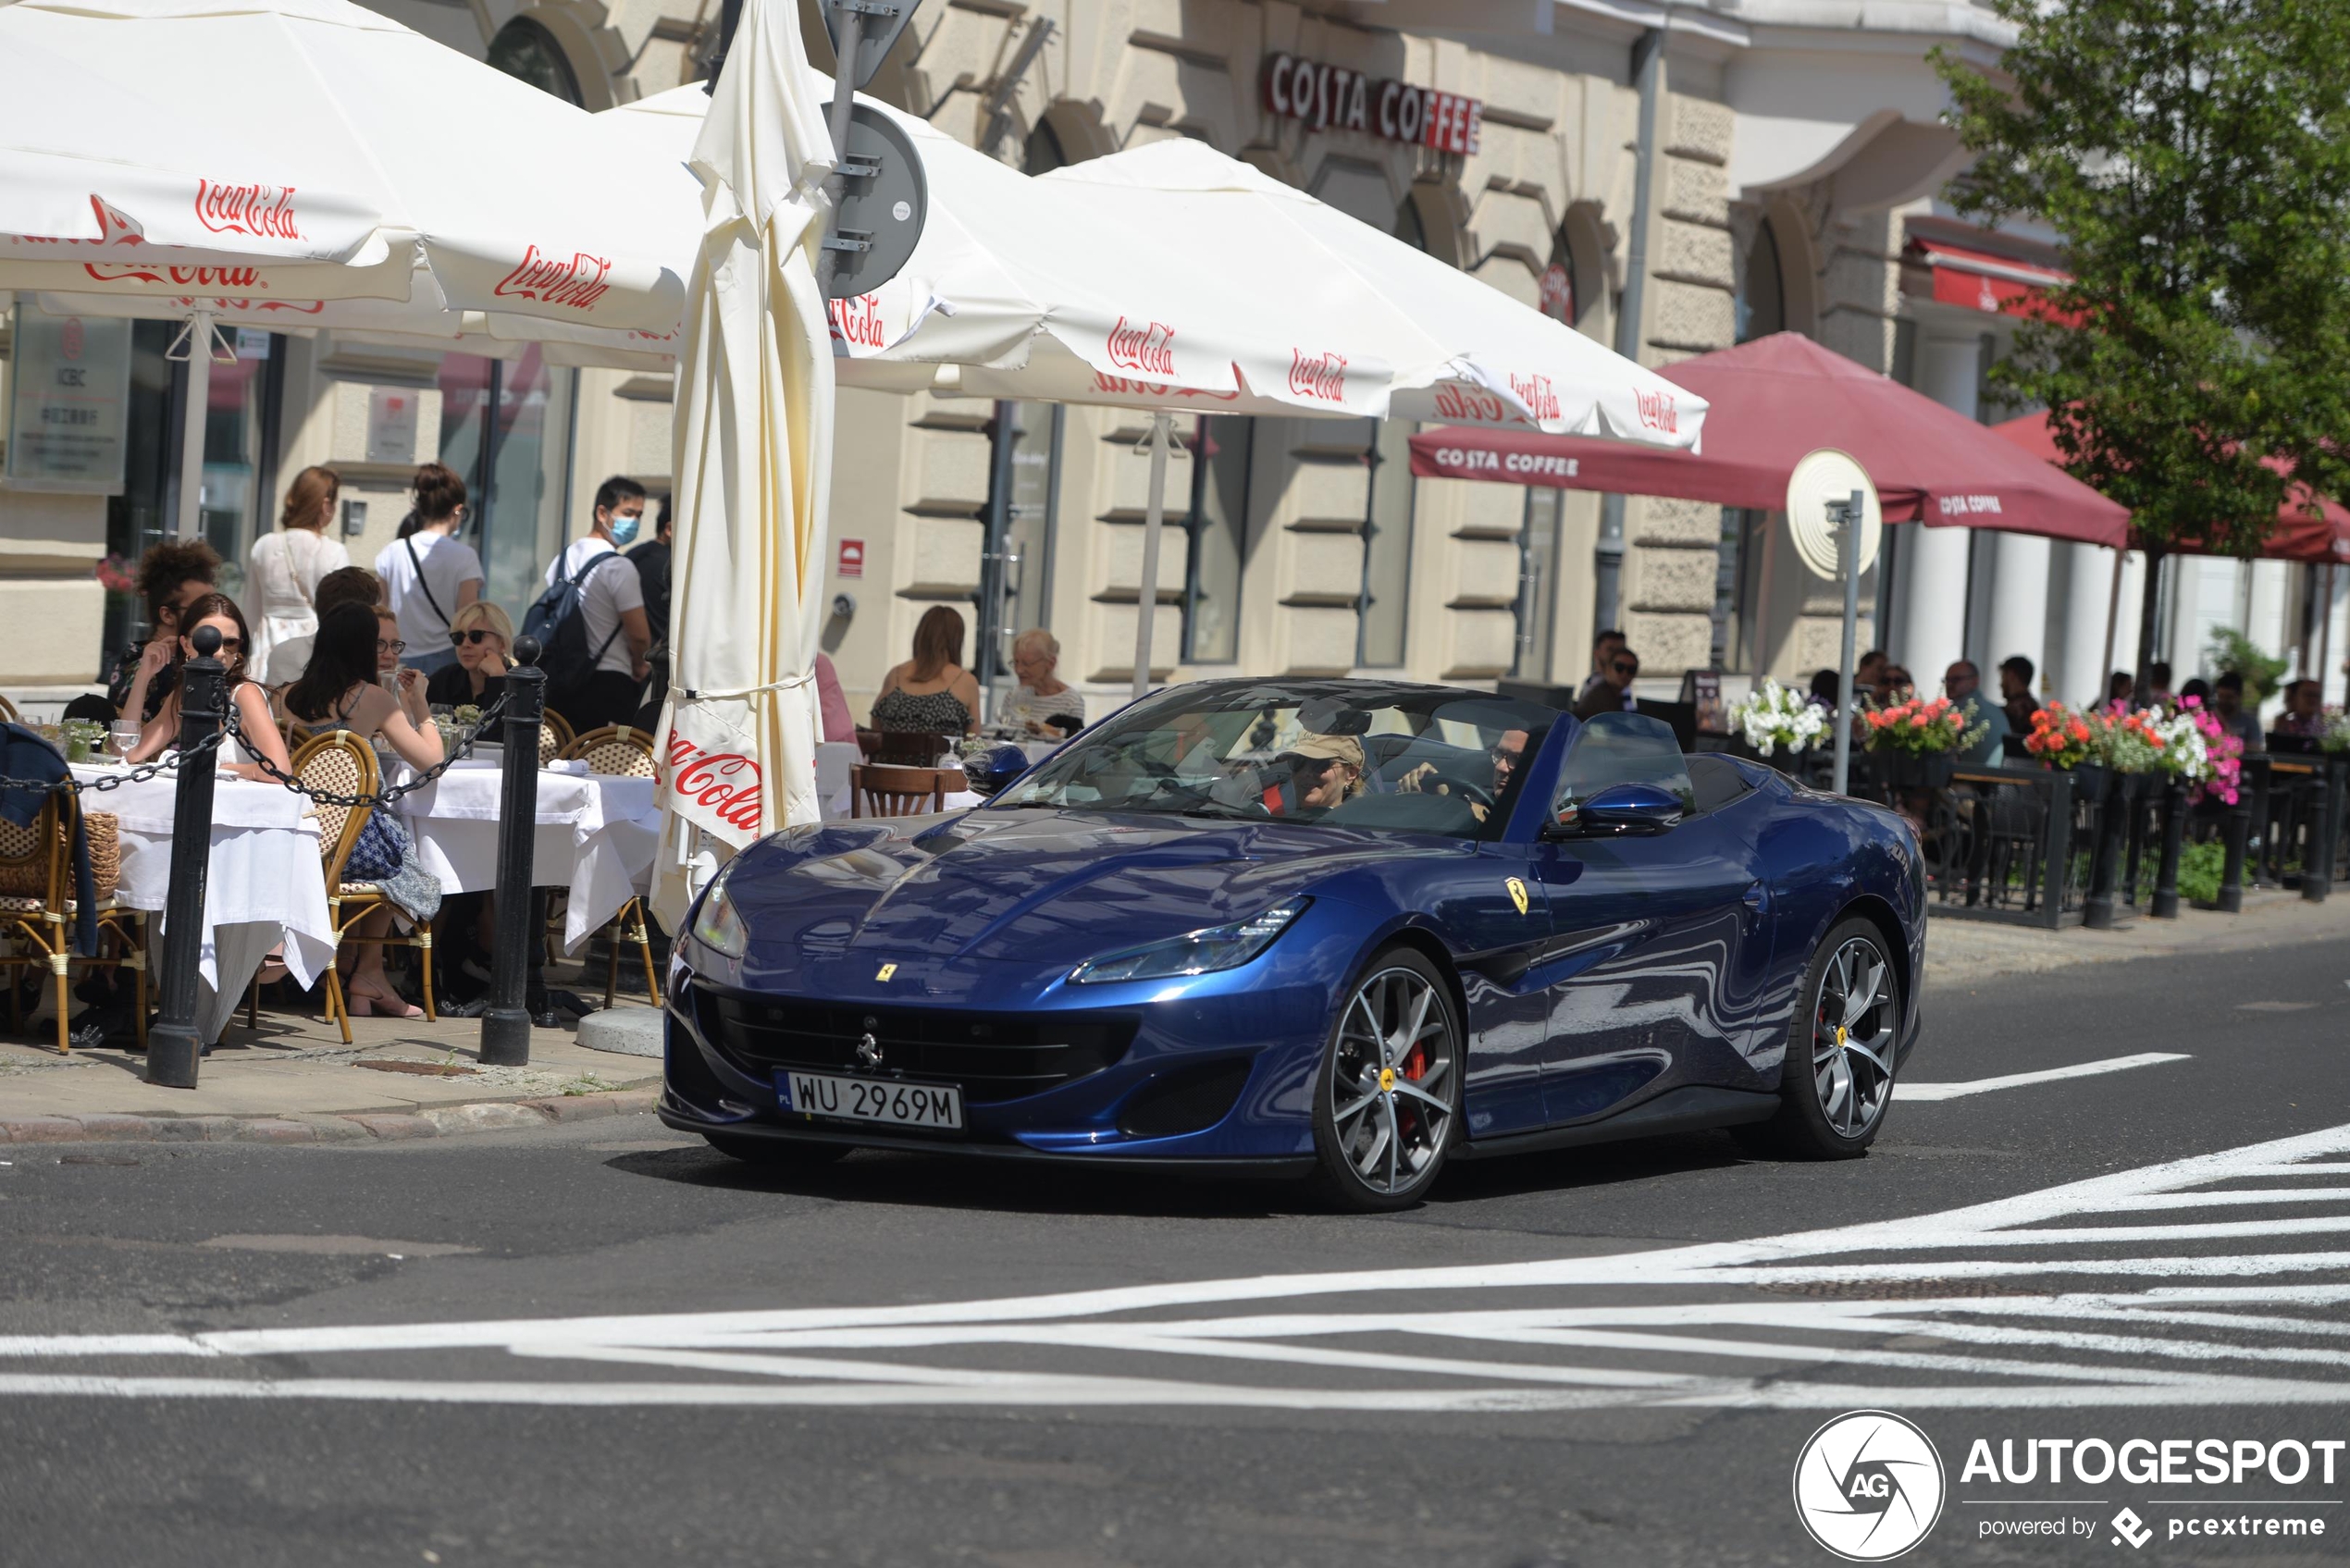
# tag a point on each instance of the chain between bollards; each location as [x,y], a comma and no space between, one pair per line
[175,1043]
[505,1024]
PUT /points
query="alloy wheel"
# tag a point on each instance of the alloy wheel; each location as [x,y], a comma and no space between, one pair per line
[1853,1034]
[1391,1087]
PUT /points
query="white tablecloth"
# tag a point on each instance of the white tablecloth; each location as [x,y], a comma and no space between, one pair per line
[596,836]
[266,884]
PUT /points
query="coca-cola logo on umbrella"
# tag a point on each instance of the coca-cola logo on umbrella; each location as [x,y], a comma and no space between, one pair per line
[577,283]
[1147,348]
[1536,392]
[1658,411]
[263,212]
[1321,375]
[726,783]
[240,278]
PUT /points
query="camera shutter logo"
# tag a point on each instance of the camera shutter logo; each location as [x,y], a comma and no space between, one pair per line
[1869,1486]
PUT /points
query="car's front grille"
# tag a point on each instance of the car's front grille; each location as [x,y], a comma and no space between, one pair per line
[990,1055]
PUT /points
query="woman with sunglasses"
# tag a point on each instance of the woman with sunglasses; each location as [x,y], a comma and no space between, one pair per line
[255,723]
[482,637]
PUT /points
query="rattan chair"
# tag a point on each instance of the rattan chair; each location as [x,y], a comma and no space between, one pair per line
[555,737]
[629,753]
[341,763]
[9,713]
[42,853]
[878,791]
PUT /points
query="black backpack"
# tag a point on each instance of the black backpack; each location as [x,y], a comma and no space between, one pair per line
[560,623]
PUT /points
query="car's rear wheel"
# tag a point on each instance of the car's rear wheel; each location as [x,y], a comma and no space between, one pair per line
[1838,1080]
[775,1153]
[1389,1095]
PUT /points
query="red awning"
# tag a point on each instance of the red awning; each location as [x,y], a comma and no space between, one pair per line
[2296,536]
[1773,399]
[1980,280]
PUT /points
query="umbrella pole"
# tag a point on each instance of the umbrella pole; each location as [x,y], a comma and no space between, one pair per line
[1848,536]
[2113,623]
[1154,521]
[199,340]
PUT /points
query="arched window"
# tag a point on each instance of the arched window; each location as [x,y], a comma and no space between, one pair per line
[1408,226]
[1044,153]
[526,50]
[1761,298]
[1559,301]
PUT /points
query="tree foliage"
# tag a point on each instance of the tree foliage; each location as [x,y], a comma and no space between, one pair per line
[2193,157]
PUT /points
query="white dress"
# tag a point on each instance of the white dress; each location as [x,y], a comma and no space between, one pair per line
[282,573]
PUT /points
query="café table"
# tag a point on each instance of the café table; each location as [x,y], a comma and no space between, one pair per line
[266,885]
[596,834]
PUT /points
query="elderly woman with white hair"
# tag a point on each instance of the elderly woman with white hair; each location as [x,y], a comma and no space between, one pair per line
[1043,704]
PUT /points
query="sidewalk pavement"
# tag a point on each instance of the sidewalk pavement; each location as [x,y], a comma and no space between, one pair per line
[293,1080]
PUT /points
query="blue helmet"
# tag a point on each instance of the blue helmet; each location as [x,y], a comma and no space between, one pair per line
[999,766]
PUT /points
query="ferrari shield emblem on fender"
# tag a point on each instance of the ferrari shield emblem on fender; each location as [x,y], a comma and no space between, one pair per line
[1518,894]
[888,970]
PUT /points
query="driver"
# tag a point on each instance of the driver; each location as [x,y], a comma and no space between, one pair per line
[1507,751]
[1325,771]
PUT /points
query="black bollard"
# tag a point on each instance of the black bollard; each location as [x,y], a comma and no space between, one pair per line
[505,1025]
[175,1043]
[2096,909]
[2165,905]
[2317,858]
[2235,829]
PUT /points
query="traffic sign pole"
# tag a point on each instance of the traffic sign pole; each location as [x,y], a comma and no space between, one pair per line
[1848,546]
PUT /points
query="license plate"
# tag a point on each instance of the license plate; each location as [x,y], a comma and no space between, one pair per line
[885,1099]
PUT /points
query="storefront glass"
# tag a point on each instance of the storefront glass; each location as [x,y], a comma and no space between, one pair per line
[505,429]
[1538,555]
[1016,568]
[241,417]
[1219,527]
[1387,545]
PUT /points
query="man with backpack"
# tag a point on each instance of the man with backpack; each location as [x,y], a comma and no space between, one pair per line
[591,621]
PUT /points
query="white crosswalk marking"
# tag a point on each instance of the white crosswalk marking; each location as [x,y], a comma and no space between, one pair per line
[2008,1304]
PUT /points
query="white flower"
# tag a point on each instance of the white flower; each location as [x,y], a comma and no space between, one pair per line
[1774,717]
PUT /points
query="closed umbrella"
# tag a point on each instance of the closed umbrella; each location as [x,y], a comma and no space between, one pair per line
[751,460]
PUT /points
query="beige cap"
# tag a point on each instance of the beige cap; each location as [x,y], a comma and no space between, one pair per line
[1336,748]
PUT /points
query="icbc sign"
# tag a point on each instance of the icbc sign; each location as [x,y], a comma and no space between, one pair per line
[1326,96]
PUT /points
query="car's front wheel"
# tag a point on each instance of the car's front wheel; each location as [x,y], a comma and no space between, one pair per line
[1837,1080]
[1389,1093]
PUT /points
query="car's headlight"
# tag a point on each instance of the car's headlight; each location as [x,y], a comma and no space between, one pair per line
[716,925]
[1197,952]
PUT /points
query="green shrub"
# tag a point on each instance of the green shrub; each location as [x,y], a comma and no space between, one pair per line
[2199,869]
[2231,649]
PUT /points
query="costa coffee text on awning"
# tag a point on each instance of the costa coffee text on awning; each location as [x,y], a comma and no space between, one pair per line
[1326,96]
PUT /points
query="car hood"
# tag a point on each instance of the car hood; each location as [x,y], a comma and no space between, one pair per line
[1036,888]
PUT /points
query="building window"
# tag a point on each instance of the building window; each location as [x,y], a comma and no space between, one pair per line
[1044,153]
[1557,289]
[1761,297]
[1537,557]
[528,52]
[1219,539]
[1016,569]
[1387,547]
[1408,225]
[505,428]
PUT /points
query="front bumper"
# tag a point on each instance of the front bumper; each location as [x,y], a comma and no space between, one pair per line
[1132,1067]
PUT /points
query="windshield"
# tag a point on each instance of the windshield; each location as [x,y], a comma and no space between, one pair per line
[1354,753]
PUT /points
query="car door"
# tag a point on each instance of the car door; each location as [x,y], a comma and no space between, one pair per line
[1658,942]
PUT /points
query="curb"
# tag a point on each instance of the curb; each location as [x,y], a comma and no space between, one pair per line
[357,1127]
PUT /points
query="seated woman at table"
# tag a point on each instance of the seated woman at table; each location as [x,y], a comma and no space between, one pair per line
[930,691]
[482,635]
[340,690]
[255,723]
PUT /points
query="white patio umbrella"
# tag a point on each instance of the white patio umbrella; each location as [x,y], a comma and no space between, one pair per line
[751,460]
[181,209]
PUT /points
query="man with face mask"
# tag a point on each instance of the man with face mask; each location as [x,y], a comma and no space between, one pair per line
[611,608]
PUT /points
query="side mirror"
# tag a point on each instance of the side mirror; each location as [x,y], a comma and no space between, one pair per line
[1628,808]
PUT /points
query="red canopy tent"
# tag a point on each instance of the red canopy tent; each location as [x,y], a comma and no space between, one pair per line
[2296,536]
[1772,401]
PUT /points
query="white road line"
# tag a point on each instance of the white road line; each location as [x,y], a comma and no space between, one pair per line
[1906,1093]
[1636,1329]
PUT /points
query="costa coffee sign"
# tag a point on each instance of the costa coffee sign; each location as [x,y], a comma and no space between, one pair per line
[1328,97]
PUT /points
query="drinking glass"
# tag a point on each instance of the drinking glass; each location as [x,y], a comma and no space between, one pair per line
[123,738]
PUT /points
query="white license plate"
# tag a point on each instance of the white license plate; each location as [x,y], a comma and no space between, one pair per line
[883,1100]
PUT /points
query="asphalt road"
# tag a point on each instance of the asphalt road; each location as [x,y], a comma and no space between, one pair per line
[606,1345]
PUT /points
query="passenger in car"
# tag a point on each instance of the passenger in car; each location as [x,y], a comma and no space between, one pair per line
[1325,771]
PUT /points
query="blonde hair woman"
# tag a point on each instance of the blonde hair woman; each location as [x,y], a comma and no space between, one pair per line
[283,568]
[483,641]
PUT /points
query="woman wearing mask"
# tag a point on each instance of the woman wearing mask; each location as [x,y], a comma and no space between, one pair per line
[340,690]
[255,723]
[429,574]
[283,568]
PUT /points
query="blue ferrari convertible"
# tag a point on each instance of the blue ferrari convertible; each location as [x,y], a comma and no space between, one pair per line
[1347,928]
